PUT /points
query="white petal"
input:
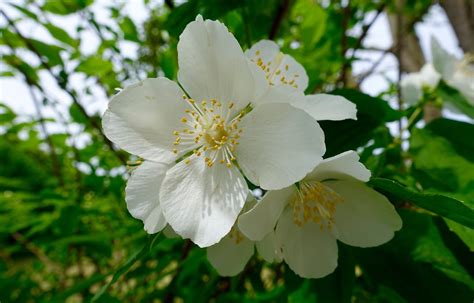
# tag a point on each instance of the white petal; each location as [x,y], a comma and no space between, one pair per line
[212,64]
[230,256]
[262,218]
[281,69]
[327,107]
[279,145]
[311,252]
[365,218]
[269,248]
[339,167]
[280,94]
[200,202]
[443,61]
[142,117]
[142,195]
[411,89]
[429,76]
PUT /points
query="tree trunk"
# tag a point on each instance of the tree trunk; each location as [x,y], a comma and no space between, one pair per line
[461,16]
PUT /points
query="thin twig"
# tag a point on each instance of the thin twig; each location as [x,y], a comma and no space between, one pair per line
[346,14]
[366,28]
[282,9]
[56,166]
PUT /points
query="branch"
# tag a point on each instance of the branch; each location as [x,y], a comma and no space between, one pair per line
[54,158]
[346,14]
[282,9]
[62,82]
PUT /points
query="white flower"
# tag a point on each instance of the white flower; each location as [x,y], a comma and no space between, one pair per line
[412,85]
[287,80]
[232,253]
[142,195]
[457,73]
[218,127]
[332,202]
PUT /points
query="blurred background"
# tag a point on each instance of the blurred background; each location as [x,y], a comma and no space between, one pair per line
[65,232]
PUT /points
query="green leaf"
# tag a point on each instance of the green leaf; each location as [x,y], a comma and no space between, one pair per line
[453,96]
[440,167]
[372,114]
[313,21]
[95,66]
[456,132]
[48,51]
[416,264]
[444,206]
[61,35]
[466,234]
[25,11]
[65,7]
[129,29]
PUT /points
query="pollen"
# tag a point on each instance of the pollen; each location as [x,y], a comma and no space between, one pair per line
[315,202]
[211,130]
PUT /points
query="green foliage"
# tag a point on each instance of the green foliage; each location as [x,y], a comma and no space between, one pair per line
[65,232]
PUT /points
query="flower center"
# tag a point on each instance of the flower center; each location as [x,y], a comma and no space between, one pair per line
[315,202]
[209,130]
[466,66]
[275,71]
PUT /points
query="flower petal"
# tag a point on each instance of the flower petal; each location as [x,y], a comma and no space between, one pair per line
[365,218]
[443,61]
[327,107]
[411,88]
[281,69]
[269,248]
[311,252]
[230,255]
[200,202]
[142,195]
[212,64]
[279,94]
[142,117]
[262,218]
[341,166]
[280,144]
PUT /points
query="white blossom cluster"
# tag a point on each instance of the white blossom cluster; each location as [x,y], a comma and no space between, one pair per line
[456,73]
[237,118]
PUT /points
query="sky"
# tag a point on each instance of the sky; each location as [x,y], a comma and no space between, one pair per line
[15,93]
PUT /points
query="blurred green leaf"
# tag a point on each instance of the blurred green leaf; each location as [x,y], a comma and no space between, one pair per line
[65,7]
[129,29]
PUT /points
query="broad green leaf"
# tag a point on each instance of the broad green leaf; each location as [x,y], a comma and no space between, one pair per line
[457,133]
[440,167]
[441,205]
